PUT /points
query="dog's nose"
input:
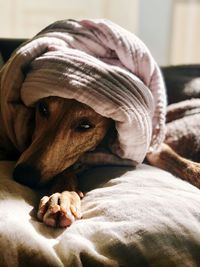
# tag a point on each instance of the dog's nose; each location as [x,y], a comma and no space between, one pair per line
[27,175]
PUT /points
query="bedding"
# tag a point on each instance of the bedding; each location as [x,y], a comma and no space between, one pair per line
[131,217]
[95,62]
[183,128]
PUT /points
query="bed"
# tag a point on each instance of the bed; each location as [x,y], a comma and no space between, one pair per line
[137,217]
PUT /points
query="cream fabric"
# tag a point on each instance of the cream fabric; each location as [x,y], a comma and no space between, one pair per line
[95,62]
[142,217]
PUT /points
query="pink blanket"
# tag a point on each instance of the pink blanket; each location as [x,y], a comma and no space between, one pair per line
[97,63]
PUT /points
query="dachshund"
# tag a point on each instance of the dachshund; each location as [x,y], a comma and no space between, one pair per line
[64,130]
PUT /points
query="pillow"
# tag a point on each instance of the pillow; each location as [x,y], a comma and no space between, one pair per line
[131,217]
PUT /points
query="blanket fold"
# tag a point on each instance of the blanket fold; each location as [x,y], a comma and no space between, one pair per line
[97,63]
[183,128]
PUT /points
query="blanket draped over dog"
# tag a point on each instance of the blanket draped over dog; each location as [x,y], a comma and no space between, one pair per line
[97,63]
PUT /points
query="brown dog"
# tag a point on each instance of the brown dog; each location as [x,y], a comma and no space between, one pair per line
[64,130]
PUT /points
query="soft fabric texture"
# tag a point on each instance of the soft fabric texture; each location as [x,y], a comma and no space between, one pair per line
[142,217]
[95,62]
[183,128]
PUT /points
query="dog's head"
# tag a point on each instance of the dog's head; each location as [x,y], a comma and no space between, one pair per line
[64,130]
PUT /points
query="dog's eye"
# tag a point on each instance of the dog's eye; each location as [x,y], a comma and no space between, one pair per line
[84,125]
[43,109]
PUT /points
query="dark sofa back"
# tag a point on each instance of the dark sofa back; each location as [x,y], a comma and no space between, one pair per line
[7,46]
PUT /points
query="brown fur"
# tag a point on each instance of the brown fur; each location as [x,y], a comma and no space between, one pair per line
[166,158]
[58,140]
[64,130]
[61,136]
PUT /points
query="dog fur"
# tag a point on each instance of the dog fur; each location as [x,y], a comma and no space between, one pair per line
[64,130]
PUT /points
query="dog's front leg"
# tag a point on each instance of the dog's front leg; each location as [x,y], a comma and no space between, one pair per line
[166,158]
[61,208]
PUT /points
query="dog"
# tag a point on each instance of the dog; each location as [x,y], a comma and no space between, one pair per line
[64,130]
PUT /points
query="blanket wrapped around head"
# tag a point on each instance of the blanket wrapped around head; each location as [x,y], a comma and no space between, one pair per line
[97,63]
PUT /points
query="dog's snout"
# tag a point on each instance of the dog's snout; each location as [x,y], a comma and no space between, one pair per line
[26,175]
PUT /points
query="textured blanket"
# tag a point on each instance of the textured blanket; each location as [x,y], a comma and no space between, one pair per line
[142,218]
[97,63]
[183,128]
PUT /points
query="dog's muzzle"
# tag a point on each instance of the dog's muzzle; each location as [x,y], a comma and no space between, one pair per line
[27,175]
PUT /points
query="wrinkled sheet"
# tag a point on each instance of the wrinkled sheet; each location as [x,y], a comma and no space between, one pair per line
[131,217]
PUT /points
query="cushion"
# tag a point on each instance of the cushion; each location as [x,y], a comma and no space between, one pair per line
[131,217]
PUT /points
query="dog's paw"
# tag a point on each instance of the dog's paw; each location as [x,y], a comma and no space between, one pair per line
[60,209]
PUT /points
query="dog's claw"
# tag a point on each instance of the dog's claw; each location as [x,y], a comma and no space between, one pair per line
[76,212]
[66,220]
[50,219]
[42,207]
[60,209]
